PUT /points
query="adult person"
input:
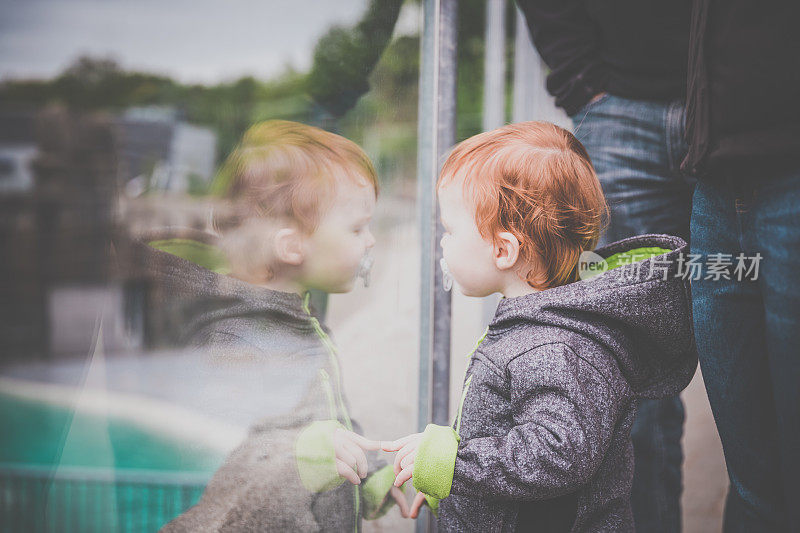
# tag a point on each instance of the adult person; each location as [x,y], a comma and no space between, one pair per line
[619,70]
[743,130]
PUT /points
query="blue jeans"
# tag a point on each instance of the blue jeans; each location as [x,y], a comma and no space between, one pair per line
[748,339]
[637,148]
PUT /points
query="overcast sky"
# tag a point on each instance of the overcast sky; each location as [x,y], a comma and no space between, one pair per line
[190,40]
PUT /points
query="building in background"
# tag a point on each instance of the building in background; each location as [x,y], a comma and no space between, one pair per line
[61,176]
[159,151]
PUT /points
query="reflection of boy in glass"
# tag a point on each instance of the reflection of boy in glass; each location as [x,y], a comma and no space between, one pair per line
[303,200]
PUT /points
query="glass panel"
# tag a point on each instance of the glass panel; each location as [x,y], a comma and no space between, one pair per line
[181,186]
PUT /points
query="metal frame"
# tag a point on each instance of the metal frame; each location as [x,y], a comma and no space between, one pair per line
[437,133]
[494,97]
[437,121]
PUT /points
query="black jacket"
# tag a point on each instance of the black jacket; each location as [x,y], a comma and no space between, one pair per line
[743,104]
[630,48]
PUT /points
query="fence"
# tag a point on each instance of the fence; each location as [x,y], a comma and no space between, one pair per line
[42,499]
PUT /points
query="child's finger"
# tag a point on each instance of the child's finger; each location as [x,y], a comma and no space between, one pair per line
[396,464]
[359,459]
[363,442]
[347,457]
[416,505]
[394,445]
[347,472]
[400,498]
[408,459]
[404,475]
[398,458]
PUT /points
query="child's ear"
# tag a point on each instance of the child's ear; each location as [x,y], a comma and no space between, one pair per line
[506,251]
[289,246]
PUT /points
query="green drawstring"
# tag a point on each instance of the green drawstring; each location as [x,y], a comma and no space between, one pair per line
[333,351]
[461,406]
[457,421]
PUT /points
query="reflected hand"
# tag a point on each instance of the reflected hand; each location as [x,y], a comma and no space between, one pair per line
[400,498]
[419,501]
[351,462]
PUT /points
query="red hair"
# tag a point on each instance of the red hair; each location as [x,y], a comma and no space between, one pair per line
[535,181]
[281,172]
[289,170]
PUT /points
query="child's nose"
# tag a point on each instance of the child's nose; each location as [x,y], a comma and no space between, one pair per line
[370,239]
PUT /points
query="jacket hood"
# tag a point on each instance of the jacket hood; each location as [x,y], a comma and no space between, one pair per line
[640,311]
[186,297]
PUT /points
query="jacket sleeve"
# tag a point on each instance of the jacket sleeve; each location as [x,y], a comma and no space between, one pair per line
[568,41]
[315,456]
[345,57]
[564,414]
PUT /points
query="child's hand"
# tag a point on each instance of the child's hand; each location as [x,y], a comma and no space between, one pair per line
[406,449]
[419,501]
[351,462]
[400,499]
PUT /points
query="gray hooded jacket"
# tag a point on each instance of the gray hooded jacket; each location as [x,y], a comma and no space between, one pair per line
[271,345]
[550,396]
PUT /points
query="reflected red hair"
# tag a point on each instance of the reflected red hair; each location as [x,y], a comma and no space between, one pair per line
[535,181]
[288,170]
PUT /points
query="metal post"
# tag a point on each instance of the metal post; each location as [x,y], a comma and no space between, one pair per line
[494,96]
[527,73]
[494,78]
[437,126]
[531,99]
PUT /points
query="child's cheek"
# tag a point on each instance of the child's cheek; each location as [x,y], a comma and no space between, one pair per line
[348,251]
[342,250]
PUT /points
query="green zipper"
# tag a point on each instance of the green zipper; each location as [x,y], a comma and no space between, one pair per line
[333,353]
[326,384]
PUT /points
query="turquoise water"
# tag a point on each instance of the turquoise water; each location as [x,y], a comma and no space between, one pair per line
[67,472]
[37,433]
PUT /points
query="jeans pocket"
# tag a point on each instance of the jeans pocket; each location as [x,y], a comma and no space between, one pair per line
[581,113]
